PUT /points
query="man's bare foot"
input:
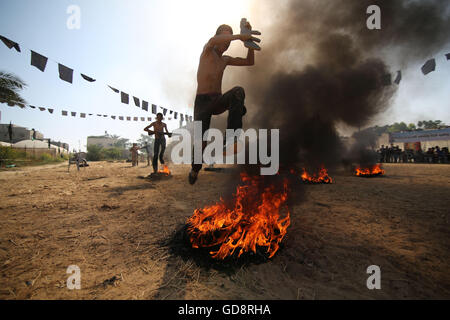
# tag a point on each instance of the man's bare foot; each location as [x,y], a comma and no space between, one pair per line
[193,176]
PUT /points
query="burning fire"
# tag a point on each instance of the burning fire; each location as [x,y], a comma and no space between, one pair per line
[375,170]
[164,170]
[321,177]
[251,220]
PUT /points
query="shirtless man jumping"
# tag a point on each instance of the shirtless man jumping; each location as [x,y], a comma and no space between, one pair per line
[209,99]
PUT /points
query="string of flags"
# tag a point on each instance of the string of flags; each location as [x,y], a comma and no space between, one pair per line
[66,113]
[66,74]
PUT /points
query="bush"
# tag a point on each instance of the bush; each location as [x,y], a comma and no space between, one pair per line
[94,153]
[111,153]
[10,153]
[46,157]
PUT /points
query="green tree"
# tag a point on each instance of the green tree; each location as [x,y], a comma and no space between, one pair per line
[111,153]
[10,85]
[94,152]
[430,124]
[396,127]
[146,139]
[411,126]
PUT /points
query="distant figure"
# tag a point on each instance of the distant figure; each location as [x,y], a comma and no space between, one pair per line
[134,154]
[160,141]
[147,149]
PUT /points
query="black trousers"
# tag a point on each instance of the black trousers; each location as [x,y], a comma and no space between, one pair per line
[158,152]
[207,105]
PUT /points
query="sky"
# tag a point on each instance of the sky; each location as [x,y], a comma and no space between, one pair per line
[149,49]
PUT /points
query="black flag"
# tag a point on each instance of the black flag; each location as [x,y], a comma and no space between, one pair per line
[65,73]
[38,61]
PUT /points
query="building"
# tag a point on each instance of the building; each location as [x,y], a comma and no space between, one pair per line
[102,141]
[18,133]
[416,139]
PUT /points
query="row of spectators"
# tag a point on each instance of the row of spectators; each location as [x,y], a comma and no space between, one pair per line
[393,154]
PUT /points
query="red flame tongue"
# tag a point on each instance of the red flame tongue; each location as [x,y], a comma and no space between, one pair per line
[321,177]
[164,170]
[368,172]
[251,220]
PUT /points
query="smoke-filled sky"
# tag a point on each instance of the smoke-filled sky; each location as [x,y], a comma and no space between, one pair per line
[151,49]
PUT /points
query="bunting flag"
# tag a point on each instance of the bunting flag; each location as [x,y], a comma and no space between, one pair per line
[42,109]
[135,119]
[142,118]
[149,119]
[120,118]
[65,73]
[82,115]
[10,44]
[113,117]
[105,116]
[73,114]
[32,107]
[136,102]
[85,77]
[125,98]
[38,61]
[447,56]
[64,113]
[429,66]
[128,118]
[398,78]
[50,110]
[114,89]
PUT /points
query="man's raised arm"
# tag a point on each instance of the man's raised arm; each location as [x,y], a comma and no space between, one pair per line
[249,61]
[224,38]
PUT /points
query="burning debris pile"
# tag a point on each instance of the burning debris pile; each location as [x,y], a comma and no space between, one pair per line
[321,177]
[250,222]
[372,171]
[161,174]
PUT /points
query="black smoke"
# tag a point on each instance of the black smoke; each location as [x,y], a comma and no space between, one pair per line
[321,66]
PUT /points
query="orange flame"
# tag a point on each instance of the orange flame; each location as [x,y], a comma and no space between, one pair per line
[253,219]
[321,177]
[368,172]
[165,170]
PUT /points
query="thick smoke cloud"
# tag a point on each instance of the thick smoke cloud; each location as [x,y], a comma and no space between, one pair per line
[320,66]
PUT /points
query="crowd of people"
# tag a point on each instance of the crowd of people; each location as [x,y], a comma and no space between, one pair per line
[393,154]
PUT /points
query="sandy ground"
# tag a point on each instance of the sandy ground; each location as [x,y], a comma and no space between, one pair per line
[109,222]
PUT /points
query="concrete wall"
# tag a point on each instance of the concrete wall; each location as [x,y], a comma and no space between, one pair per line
[19,133]
[105,142]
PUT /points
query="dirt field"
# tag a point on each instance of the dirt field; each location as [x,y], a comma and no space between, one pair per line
[110,222]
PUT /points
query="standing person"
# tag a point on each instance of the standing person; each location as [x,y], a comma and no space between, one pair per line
[147,149]
[209,99]
[134,154]
[160,141]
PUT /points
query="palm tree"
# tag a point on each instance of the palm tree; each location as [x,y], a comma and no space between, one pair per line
[10,85]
